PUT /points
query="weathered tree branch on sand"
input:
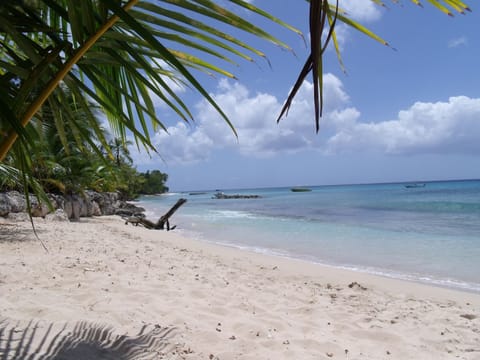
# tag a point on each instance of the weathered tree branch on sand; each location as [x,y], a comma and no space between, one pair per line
[161,223]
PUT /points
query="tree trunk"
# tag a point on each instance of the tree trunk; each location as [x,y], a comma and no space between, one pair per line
[163,221]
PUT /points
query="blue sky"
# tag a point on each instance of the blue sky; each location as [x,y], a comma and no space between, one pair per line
[401,113]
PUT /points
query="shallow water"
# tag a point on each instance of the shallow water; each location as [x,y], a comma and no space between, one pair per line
[429,234]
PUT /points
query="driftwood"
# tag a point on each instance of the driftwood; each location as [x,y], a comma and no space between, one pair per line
[161,223]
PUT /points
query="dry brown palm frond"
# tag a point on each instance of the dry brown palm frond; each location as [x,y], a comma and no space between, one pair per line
[320,10]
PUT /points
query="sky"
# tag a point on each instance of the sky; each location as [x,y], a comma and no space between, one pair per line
[409,111]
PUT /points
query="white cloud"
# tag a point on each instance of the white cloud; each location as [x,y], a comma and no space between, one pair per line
[342,33]
[254,118]
[441,127]
[361,10]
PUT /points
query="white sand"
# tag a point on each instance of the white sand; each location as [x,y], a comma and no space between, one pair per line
[223,303]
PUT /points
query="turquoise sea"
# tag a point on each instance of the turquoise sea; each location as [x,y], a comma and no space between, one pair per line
[429,233]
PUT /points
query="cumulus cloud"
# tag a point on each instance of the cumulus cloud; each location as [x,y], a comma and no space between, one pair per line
[441,127]
[451,126]
[254,118]
[361,10]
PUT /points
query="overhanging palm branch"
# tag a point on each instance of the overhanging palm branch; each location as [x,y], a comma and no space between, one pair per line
[116,52]
[322,20]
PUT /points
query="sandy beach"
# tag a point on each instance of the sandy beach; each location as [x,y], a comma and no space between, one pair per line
[195,300]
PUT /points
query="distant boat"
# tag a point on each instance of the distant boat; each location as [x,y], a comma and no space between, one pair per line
[411,186]
[297,189]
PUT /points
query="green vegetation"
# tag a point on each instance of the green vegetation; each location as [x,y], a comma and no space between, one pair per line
[67,163]
[154,182]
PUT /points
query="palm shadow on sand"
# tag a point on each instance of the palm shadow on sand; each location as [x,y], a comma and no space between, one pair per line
[81,341]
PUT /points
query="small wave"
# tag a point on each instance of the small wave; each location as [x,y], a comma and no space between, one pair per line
[231,214]
[171,194]
[277,252]
[425,279]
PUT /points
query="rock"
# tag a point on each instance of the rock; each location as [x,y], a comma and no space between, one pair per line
[17,201]
[73,207]
[91,203]
[76,209]
[68,208]
[5,206]
[58,201]
[221,195]
[58,215]
[40,210]
[96,211]
[107,202]
[18,216]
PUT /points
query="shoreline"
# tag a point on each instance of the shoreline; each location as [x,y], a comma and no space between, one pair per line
[338,272]
[427,280]
[224,302]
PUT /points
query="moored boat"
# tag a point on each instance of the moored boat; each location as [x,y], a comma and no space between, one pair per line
[300,189]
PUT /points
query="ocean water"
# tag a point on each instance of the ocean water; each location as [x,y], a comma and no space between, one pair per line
[429,234]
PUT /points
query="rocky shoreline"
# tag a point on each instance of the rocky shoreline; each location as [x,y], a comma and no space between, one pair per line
[13,205]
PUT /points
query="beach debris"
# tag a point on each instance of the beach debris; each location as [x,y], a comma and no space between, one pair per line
[329,354]
[357,286]
[134,220]
[286,342]
[469,316]
[162,223]
[233,337]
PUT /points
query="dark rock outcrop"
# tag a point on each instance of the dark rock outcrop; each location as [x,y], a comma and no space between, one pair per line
[221,195]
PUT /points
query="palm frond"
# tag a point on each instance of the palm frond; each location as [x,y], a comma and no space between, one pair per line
[83,38]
